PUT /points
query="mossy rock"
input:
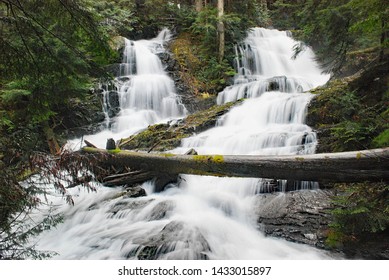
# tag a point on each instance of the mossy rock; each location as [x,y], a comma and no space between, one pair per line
[163,137]
[351,113]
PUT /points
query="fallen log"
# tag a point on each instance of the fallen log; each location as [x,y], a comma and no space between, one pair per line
[129,178]
[356,166]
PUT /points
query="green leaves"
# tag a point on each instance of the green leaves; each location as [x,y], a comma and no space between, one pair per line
[48,52]
[335,27]
[362,208]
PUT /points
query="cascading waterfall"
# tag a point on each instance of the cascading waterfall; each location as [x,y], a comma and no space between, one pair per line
[206,217]
[142,94]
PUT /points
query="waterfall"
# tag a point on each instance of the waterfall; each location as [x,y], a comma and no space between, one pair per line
[202,217]
[141,95]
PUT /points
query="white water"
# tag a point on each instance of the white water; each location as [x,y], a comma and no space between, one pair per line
[207,216]
[147,95]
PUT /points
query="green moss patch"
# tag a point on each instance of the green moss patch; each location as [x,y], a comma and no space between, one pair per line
[163,137]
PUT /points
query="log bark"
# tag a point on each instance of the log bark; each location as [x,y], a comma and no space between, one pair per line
[357,166]
[130,178]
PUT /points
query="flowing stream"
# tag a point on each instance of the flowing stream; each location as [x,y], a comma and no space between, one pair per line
[201,217]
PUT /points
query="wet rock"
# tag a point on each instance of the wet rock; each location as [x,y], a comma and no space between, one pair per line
[163,180]
[301,216]
[176,241]
[111,145]
[191,152]
[113,69]
[113,103]
[113,99]
[135,191]
[160,210]
[275,83]
[129,204]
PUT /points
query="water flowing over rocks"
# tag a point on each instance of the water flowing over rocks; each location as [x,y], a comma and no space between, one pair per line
[204,217]
[175,241]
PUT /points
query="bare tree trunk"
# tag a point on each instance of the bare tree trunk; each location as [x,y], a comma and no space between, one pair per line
[383,39]
[51,139]
[357,166]
[221,29]
[199,5]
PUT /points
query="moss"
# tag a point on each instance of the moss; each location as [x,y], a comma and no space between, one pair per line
[168,155]
[206,158]
[163,137]
[202,158]
[89,149]
[26,173]
[382,140]
[218,158]
[115,151]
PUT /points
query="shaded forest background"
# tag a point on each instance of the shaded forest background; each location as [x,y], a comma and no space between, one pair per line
[54,52]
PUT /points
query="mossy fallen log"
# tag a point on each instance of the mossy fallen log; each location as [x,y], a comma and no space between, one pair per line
[356,166]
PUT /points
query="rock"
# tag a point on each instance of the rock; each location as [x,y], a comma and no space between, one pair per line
[300,216]
[135,191]
[163,180]
[160,210]
[113,99]
[276,83]
[113,103]
[191,152]
[136,205]
[176,241]
[111,145]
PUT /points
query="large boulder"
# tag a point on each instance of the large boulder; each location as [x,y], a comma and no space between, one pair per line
[299,216]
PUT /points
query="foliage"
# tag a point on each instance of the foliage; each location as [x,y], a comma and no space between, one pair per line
[352,135]
[351,113]
[49,50]
[285,13]
[335,28]
[19,202]
[117,17]
[382,140]
[360,209]
[204,38]
[17,226]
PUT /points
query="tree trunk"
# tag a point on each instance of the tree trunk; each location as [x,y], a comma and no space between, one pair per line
[221,29]
[358,166]
[51,139]
[383,39]
[199,5]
